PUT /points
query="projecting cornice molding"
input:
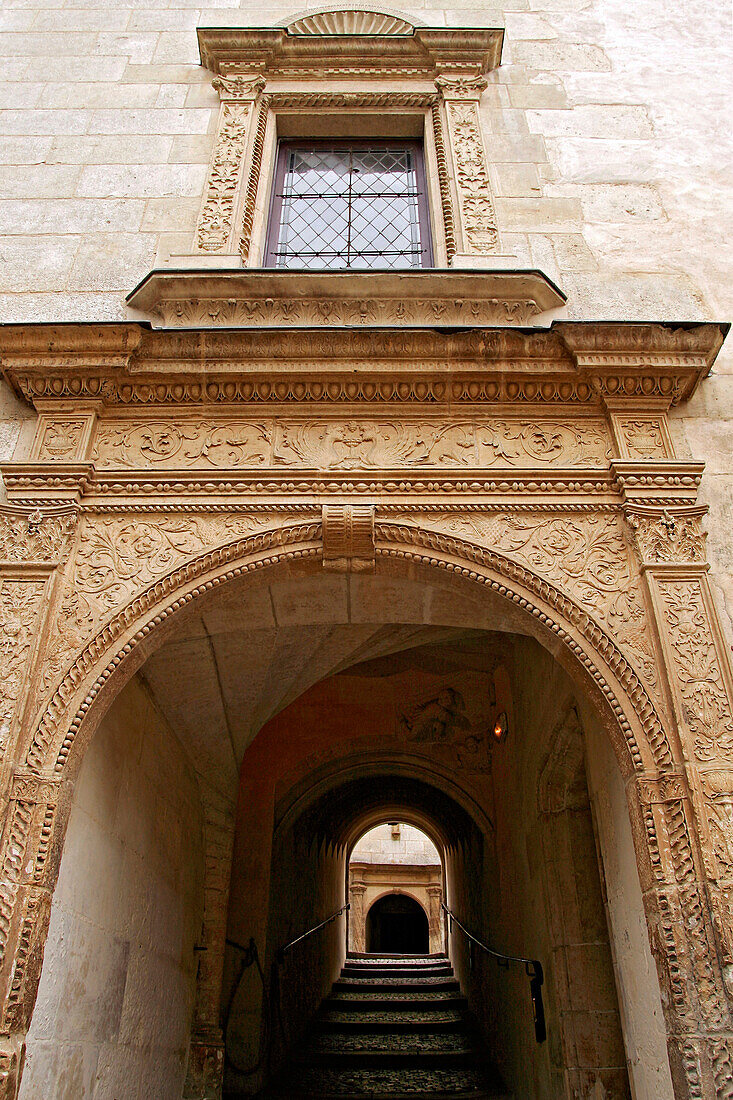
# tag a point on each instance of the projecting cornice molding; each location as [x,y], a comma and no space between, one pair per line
[271,298]
[313,48]
[72,371]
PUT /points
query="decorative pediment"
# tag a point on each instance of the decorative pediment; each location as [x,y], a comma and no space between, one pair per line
[362,21]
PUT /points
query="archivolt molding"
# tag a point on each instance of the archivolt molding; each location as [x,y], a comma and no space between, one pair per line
[108,585]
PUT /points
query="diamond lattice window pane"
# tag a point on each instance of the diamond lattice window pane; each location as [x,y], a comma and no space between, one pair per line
[342,207]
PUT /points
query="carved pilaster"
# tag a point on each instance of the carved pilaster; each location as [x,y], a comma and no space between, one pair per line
[216,220]
[477,231]
[63,432]
[28,876]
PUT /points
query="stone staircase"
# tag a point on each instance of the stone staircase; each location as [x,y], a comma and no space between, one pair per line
[391,1028]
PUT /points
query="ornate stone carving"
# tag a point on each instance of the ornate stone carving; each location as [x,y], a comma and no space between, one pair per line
[350,444]
[348,539]
[34,535]
[705,703]
[253,178]
[315,312]
[61,438]
[718,789]
[644,437]
[586,556]
[350,21]
[664,537]
[238,87]
[215,221]
[462,87]
[20,603]
[118,557]
[470,164]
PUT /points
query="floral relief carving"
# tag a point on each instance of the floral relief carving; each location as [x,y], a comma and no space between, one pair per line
[169,444]
[20,603]
[350,444]
[718,788]
[472,178]
[705,703]
[664,537]
[586,555]
[215,221]
[34,536]
[118,557]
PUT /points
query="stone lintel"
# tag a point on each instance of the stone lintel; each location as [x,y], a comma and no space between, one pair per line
[203,297]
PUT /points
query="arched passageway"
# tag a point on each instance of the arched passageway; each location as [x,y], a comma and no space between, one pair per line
[397,925]
[305,714]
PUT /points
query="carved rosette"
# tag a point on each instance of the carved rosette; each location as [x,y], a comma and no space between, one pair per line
[461,97]
[215,224]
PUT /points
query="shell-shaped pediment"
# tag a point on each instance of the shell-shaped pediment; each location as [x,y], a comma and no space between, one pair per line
[352,21]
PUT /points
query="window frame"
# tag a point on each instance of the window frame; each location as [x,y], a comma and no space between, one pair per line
[274,210]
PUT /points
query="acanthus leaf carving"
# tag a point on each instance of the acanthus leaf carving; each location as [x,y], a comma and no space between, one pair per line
[665,537]
[705,704]
[32,535]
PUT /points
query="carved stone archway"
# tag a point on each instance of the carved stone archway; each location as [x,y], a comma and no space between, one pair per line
[550,487]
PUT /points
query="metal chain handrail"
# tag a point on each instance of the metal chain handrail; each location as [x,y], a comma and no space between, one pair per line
[282,951]
[532,968]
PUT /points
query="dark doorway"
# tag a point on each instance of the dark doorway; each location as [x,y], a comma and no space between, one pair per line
[397,925]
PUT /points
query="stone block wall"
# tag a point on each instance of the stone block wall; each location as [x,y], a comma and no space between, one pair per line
[114,1005]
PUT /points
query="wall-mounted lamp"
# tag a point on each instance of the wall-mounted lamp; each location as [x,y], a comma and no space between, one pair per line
[501,728]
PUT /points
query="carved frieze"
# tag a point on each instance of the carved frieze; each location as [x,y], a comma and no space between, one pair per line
[60,438]
[698,668]
[352,444]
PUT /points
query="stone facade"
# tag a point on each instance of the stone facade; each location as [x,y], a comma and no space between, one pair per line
[531,427]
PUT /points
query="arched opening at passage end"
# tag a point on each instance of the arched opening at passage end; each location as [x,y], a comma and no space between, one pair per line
[396,924]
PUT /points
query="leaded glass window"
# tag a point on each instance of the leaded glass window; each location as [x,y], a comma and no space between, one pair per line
[357,205]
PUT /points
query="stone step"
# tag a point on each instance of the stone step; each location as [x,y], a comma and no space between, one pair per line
[408,1040]
[396,972]
[408,984]
[395,1016]
[393,1084]
[364,999]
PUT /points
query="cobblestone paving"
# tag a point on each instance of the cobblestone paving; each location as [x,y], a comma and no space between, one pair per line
[420,1082]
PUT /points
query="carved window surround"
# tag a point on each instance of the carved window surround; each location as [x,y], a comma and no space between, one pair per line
[364,74]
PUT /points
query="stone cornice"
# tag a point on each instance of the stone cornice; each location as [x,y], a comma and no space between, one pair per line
[215,298]
[277,51]
[578,365]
